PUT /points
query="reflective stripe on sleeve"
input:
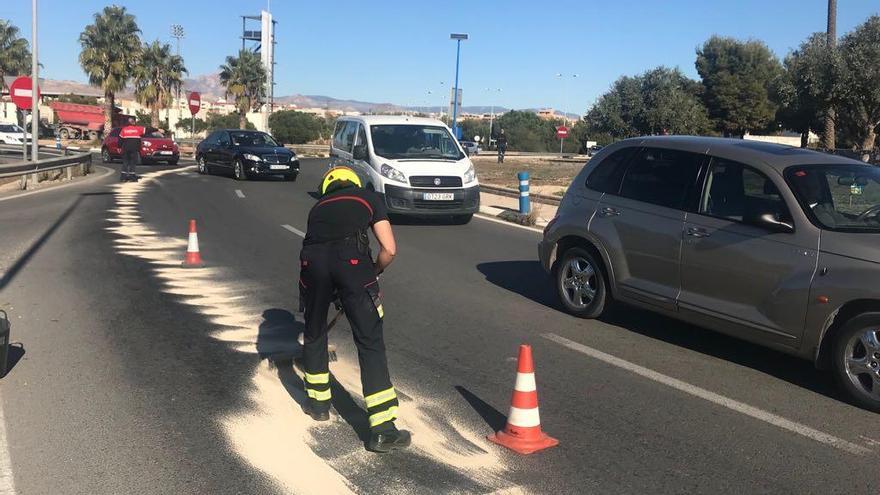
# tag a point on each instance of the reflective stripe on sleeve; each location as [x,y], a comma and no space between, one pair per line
[383,417]
[378,398]
[318,378]
[321,395]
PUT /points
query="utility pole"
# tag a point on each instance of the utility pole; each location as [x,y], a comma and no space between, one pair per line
[176,33]
[831,43]
[35,80]
[458,37]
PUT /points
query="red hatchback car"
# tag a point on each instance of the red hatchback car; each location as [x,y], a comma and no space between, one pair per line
[155,147]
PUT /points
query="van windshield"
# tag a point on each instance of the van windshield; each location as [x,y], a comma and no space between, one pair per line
[414,142]
[839,197]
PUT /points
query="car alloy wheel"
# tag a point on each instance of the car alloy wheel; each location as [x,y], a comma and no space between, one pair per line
[579,282]
[203,167]
[105,155]
[862,362]
[239,170]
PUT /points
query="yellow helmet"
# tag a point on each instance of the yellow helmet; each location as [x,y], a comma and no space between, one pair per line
[339,173]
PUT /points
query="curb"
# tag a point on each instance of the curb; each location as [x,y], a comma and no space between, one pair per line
[511,216]
[514,193]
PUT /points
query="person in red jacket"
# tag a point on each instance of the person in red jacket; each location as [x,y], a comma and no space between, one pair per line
[131,147]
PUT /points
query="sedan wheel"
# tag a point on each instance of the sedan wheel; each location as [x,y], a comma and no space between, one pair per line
[240,174]
[202,166]
[857,360]
[581,284]
[105,155]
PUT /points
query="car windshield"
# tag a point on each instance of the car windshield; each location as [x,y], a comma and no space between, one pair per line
[839,197]
[259,139]
[414,142]
[10,128]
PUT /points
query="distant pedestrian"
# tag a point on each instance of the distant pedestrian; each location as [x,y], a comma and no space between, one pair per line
[131,147]
[501,142]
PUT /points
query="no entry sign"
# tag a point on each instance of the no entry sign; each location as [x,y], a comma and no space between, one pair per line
[562,132]
[195,102]
[21,92]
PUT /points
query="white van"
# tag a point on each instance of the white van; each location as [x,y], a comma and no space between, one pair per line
[415,163]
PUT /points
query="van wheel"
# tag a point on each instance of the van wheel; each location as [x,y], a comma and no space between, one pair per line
[581,284]
[856,360]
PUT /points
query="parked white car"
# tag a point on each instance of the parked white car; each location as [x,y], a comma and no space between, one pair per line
[415,163]
[12,134]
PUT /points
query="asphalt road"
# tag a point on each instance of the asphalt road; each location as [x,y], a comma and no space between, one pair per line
[140,377]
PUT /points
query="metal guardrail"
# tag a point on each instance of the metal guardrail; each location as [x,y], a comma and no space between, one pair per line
[60,159]
[514,193]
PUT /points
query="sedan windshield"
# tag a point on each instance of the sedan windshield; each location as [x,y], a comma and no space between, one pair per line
[259,139]
[839,197]
[10,128]
[414,142]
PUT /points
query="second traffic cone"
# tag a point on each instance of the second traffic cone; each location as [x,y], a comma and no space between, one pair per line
[523,432]
[193,256]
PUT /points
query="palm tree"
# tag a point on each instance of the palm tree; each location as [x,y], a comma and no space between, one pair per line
[831,33]
[244,77]
[157,75]
[110,50]
[15,54]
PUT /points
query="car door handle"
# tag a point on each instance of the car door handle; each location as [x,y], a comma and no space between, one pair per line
[697,232]
[607,211]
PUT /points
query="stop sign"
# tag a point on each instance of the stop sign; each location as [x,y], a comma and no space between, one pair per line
[195,102]
[21,90]
[562,132]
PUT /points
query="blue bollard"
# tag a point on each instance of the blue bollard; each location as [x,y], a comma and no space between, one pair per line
[524,206]
[58,142]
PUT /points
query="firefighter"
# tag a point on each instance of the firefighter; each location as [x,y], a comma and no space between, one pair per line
[336,262]
[131,147]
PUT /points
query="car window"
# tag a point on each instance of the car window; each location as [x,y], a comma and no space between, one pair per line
[337,134]
[212,138]
[741,193]
[608,173]
[661,176]
[361,135]
[114,132]
[224,139]
[839,197]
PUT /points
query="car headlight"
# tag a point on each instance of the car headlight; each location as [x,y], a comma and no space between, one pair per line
[253,158]
[146,144]
[470,175]
[392,173]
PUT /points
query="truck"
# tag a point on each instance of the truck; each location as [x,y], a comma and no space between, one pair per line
[77,121]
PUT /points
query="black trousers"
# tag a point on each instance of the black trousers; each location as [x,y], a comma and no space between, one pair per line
[343,270]
[130,155]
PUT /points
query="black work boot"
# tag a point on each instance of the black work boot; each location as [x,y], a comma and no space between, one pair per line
[388,440]
[317,411]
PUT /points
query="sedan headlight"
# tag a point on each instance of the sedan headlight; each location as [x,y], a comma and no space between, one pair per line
[470,175]
[392,173]
[146,144]
[253,158]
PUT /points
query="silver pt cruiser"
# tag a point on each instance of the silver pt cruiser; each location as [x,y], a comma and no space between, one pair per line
[772,244]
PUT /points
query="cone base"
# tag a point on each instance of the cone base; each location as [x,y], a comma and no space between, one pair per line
[187,264]
[522,445]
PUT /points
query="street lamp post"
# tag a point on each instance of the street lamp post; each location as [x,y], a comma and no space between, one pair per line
[491,116]
[565,102]
[177,33]
[35,78]
[458,37]
[443,100]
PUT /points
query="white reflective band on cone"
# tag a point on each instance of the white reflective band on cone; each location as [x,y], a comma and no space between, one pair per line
[193,245]
[525,382]
[524,417]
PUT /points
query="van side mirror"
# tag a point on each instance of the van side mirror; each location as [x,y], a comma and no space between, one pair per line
[360,152]
[771,221]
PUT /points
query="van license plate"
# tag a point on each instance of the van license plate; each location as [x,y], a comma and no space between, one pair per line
[439,196]
[278,167]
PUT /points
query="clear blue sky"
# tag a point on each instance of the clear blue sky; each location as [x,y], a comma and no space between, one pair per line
[395,51]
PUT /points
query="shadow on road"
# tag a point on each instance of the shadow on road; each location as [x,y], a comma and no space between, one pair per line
[277,342]
[490,415]
[16,353]
[528,279]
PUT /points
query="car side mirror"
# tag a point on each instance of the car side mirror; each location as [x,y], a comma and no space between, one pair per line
[360,152]
[771,222]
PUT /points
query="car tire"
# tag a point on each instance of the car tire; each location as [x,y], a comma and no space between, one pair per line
[238,171]
[173,162]
[856,366]
[202,165]
[105,155]
[462,219]
[581,283]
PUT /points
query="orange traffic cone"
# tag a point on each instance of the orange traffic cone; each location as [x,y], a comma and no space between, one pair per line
[523,431]
[193,256]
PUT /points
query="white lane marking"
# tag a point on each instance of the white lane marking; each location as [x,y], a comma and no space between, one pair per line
[239,193]
[107,171]
[482,216]
[712,397]
[294,230]
[7,482]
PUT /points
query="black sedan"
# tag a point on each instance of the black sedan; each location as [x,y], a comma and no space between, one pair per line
[246,154]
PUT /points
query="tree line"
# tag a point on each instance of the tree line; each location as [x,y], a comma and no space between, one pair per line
[745,88]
